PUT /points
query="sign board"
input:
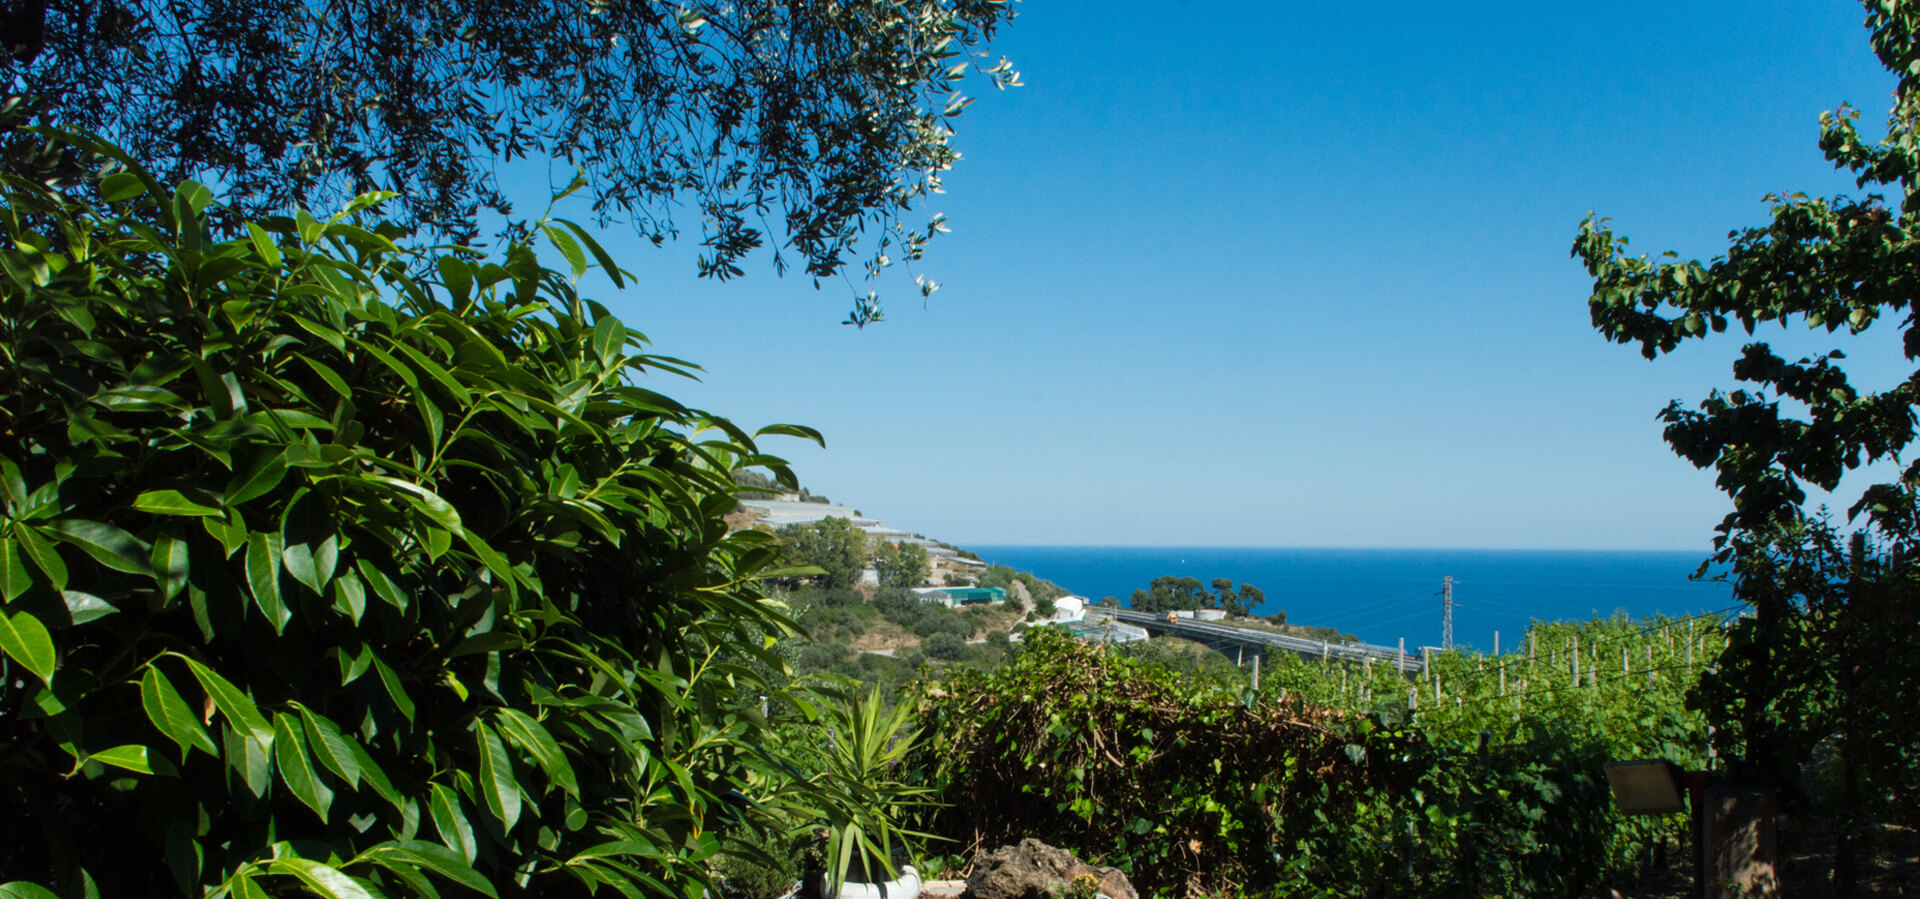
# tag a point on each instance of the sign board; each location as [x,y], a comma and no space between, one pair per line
[1646,787]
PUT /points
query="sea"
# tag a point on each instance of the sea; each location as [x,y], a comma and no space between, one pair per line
[1384,595]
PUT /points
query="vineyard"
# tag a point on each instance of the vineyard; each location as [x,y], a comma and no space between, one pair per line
[1481,777]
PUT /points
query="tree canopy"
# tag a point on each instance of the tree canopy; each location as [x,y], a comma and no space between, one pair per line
[831,544]
[902,564]
[1178,594]
[1830,263]
[819,122]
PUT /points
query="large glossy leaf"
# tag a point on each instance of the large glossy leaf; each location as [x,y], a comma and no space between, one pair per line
[20,889]
[350,595]
[383,586]
[296,768]
[14,578]
[238,709]
[497,784]
[330,747]
[132,757]
[320,879]
[26,640]
[395,690]
[42,554]
[451,823]
[532,737]
[172,502]
[263,578]
[260,478]
[371,773]
[429,857]
[169,560]
[170,713]
[108,545]
[85,607]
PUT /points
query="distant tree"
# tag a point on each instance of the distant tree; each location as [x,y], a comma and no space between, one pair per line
[894,603]
[1172,594]
[833,544]
[999,576]
[945,646]
[1243,603]
[1108,602]
[821,656]
[902,564]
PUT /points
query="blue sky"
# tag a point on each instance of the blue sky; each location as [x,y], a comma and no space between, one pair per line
[1277,274]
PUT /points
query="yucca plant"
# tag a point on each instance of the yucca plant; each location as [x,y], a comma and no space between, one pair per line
[863,804]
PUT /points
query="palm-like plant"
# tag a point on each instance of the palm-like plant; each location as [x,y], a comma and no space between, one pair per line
[860,799]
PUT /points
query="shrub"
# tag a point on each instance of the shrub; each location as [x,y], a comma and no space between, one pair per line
[1196,787]
[327,559]
[821,656]
[944,621]
[946,647]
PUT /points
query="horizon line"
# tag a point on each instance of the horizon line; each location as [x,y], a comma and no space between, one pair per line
[1603,549]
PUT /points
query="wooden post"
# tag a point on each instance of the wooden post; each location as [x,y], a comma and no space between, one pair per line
[1403,655]
[1256,672]
[1575,654]
[1496,644]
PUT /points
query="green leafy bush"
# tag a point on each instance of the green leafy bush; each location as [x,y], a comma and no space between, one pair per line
[1197,784]
[330,565]
[945,647]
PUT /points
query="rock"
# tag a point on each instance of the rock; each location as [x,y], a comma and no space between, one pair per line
[1032,869]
